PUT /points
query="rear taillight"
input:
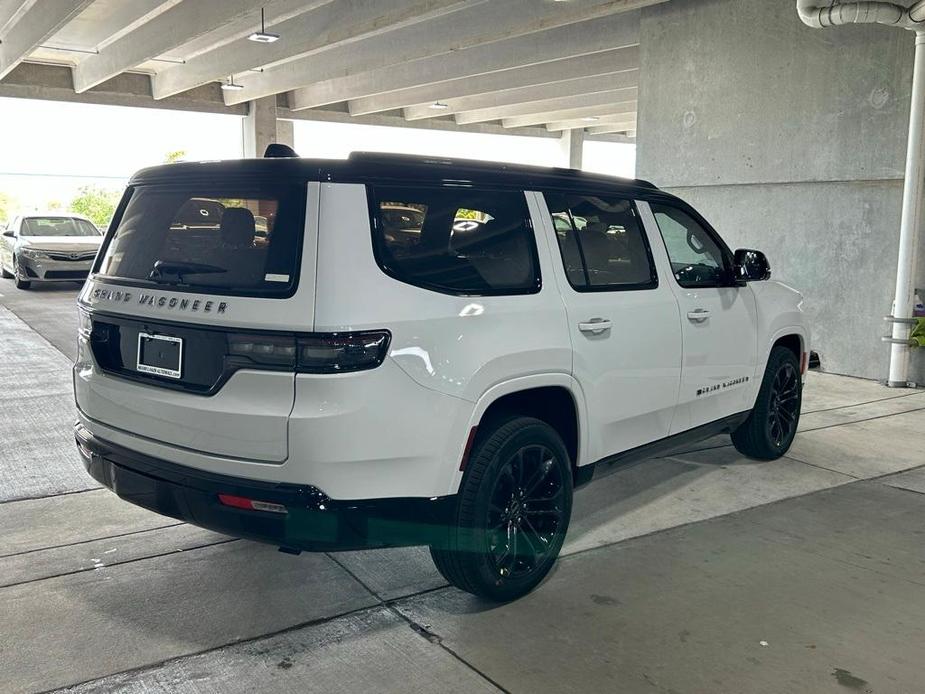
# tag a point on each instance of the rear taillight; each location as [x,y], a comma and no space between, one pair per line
[84,323]
[342,352]
[320,353]
[266,350]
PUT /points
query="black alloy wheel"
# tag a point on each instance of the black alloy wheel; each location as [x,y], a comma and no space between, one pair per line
[772,424]
[525,511]
[513,511]
[784,407]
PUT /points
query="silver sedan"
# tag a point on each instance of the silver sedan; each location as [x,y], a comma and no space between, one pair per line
[48,248]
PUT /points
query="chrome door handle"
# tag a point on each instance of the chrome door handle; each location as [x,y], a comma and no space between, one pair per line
[595,326]
[698,316]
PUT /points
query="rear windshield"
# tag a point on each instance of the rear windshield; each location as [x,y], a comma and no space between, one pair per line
[221,240]
[57,226]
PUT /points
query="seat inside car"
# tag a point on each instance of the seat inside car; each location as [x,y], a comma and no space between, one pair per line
[243,261]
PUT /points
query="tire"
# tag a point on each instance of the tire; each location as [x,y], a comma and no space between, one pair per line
[512,514]
[20,283]
[772,424]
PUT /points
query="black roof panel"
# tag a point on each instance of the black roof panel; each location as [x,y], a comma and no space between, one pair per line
[367,167]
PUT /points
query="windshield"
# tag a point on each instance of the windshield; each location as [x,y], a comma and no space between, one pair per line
[223,239]
[57,226]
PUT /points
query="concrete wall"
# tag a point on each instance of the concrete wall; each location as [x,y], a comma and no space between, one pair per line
[790,140]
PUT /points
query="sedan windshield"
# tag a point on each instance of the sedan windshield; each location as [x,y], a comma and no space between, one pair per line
[57,226]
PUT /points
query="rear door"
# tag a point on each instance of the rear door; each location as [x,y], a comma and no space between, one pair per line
[623,320]
[718,319]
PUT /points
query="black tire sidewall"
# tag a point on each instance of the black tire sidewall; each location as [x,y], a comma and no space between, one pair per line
[475,493]
[778,358]
[17,275]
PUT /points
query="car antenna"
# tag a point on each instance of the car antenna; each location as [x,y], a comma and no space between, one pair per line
[279,151]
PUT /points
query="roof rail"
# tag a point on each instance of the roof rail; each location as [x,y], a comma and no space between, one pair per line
[394,158]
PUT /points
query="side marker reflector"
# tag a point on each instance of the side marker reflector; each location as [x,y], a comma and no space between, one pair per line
[468,449]
[250,504]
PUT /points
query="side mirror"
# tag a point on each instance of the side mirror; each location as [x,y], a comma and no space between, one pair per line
[10,233]
[750,266]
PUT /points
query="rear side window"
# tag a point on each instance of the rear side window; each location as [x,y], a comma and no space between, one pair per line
[456,241]
[602,243]
[221,240]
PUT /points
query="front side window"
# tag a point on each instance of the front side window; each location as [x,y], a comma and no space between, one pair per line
[697,260]
[602,243]
[212,240]
[57,226]
[457,241]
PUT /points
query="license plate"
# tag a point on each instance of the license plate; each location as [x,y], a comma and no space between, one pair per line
[161,355]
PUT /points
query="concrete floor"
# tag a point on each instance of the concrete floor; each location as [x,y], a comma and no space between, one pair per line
[696,572]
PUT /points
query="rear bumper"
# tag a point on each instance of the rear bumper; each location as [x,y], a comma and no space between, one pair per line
[313,522]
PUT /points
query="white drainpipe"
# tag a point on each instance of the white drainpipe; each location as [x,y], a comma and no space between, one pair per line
[817,14]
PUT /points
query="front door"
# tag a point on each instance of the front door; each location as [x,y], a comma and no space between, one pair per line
[718,320]
[623,320]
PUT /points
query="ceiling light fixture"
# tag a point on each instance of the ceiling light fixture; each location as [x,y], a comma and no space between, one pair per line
[590,119]
[263,36]
[439,106]
[231,86]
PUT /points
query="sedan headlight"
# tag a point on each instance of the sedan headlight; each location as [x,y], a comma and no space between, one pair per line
[31,253]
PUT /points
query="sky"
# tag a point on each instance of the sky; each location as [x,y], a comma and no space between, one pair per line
[49,149]
[337,140]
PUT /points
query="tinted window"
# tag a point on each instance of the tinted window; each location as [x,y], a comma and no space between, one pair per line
[601,242]
[458,241]
[57,226]
[696,258]
[223,240]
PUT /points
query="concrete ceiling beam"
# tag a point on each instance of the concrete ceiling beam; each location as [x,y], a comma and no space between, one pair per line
[622,122]
[608,129]
[571,41]
[574,113]
[180,24]
[523,95]
[30,25]
[328,26]
[496,36]
[486,89]
[540,108]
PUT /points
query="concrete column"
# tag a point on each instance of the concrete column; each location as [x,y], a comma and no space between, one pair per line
[572,143]
[285,134]
[261,127]
[786,146]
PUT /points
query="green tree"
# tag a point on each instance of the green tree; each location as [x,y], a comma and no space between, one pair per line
[95,203]
[175,156]
[6,208]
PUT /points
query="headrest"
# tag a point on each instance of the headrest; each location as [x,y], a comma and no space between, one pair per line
[237,228]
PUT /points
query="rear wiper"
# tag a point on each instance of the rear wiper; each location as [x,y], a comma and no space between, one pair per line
[164,270]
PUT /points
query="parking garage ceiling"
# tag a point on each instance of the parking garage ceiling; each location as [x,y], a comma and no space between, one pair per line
[490,65]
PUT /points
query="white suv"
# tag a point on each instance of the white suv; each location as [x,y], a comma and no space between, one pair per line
[410,351]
